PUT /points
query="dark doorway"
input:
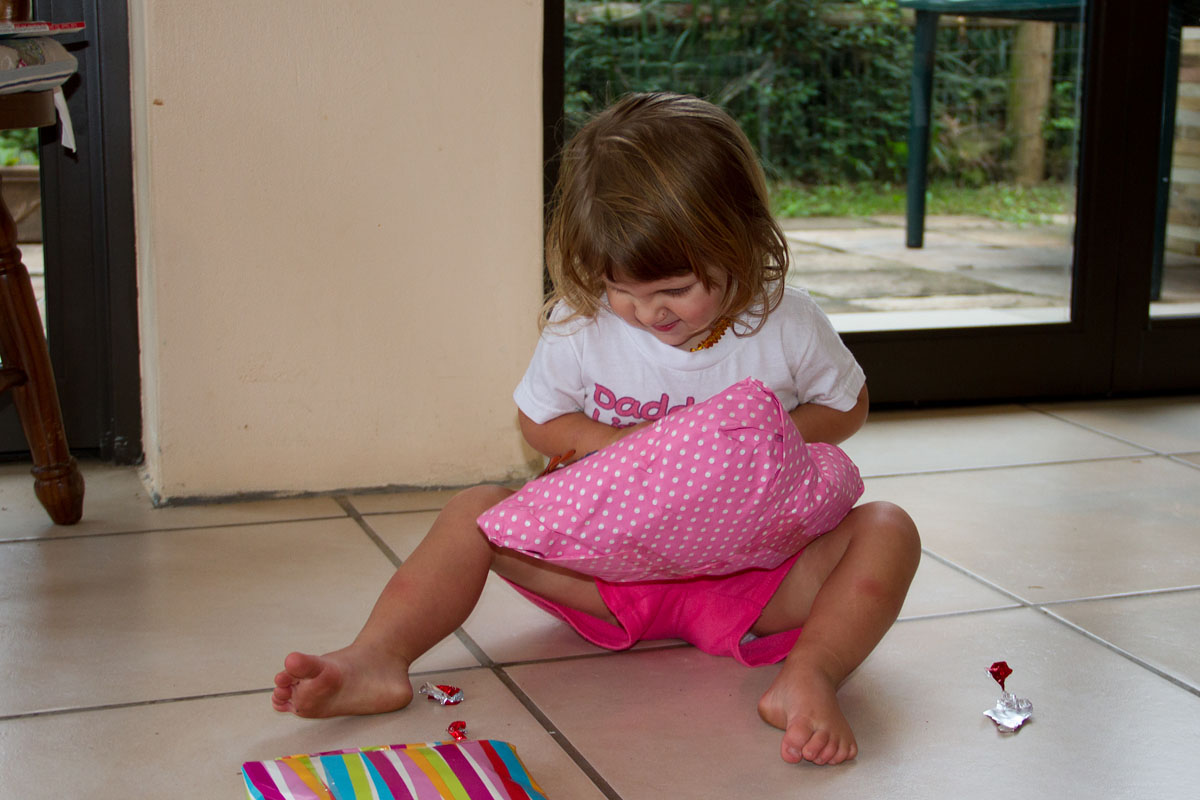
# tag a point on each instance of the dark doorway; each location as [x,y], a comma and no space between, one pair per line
[88,233]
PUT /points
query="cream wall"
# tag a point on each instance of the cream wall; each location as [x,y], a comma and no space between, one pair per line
[339,223]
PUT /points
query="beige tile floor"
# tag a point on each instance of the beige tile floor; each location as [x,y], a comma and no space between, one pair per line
[138,647]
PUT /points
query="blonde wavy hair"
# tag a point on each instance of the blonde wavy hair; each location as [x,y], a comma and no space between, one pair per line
[660,185]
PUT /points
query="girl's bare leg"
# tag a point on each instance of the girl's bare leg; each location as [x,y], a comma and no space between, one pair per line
[846,590]
[426,599]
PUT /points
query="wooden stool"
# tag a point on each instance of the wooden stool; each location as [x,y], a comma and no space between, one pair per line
[25,368]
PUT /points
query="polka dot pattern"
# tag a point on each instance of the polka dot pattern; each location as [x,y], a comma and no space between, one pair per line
[714,488]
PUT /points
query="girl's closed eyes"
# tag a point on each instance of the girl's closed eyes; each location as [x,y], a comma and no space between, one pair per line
[678,311]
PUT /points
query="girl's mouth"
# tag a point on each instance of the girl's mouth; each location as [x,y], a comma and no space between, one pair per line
[667,328]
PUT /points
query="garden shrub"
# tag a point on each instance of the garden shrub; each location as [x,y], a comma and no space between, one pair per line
[18,147]
[820,87]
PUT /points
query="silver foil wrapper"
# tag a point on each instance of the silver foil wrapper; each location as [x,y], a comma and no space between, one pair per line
[1010,712]
[447,696]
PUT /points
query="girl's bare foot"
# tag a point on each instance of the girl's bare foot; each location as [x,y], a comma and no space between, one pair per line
[803,704]
[353,680]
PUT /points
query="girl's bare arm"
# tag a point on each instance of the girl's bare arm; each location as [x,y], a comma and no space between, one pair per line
[575,431]
[818,423]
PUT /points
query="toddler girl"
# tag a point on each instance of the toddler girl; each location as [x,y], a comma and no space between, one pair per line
[668,287]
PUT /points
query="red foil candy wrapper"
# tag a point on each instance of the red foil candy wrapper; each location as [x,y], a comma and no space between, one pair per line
[999,671]
[1010,711]
[457,730]
[446,695]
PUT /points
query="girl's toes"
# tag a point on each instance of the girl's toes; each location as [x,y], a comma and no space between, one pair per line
[816,746]
[795,738]
[300,666]
[829,754]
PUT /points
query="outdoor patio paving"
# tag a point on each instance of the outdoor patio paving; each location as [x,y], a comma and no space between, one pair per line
[862,266]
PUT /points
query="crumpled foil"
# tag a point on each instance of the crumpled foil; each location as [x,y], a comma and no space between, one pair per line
[446,695]
[1010,712]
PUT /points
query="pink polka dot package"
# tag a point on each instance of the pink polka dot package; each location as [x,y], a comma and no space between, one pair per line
[711,489]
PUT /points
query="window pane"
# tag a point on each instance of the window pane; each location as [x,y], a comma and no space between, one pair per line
[822,89]
[1176,288]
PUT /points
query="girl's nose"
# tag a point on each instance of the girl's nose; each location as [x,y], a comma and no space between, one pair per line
[648,313]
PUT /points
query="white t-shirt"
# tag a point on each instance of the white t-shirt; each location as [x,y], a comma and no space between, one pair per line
[621,375]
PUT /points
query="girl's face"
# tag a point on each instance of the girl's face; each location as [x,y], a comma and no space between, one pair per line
[678,311]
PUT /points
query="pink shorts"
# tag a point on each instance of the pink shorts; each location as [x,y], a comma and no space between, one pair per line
[713,613]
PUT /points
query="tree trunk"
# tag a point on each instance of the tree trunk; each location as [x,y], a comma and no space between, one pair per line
[1030,98]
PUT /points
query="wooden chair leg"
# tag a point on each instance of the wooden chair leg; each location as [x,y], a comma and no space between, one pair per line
[29,376]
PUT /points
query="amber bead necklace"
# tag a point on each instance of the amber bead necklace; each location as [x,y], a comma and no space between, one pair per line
[714,335]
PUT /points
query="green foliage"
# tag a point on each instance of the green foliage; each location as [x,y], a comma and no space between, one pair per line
[18,147]
[820,87]
[836,199]
[970,141]
[1021,205]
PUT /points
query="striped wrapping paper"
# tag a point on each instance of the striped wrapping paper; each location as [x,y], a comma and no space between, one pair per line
[464,770]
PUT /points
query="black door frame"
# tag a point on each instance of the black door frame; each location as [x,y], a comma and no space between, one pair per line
[1111,346]
[88,232]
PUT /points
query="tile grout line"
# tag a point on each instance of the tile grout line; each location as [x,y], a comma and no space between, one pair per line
[1021,601]
[1095,638]
[1123,595]
[486,662]
[1097,431]
[158,701]
[464,638]
[400,512]
[1041,608]
[966,612]
[561,739]
[558,736]
[1179,459]
[1146,453]
[473,647]
[58,712]
[1182,684]
[350,512]
[354,514]
[1035,603]
[69,537]
[667,644]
